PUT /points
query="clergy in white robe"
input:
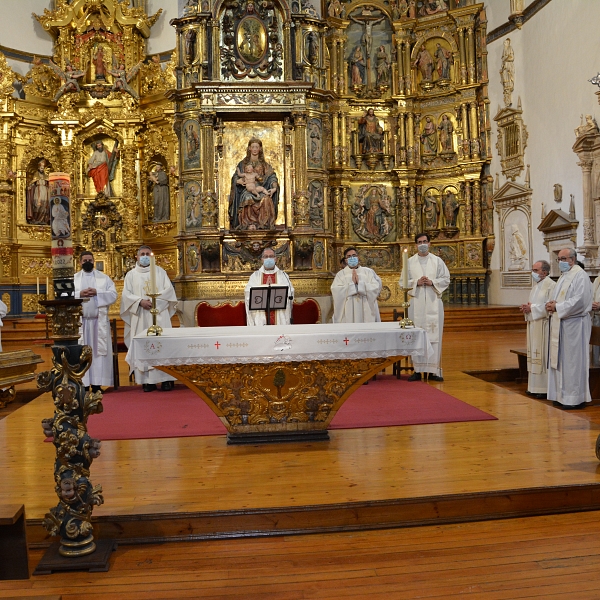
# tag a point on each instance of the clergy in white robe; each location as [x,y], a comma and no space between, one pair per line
[595,358]
[135,311]
[355,290]
[269,274]
[538,327]
[428,278]
[3,311]
[100,292]
[570,328]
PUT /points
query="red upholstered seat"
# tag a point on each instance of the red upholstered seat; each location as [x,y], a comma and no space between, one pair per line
[306,312]
[222,315]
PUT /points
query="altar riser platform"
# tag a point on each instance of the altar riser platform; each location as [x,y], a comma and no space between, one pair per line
[405,512]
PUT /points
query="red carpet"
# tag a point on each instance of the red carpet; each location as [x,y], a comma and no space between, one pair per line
[130,413]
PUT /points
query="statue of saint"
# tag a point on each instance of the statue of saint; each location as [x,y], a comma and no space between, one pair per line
[444,60]
[517,249]
[430,211]
[101,167]
[254,195]
[446,129]
[161,198]
[357,67]
[382,66]
[38,197]
[450,209]
[429,137]
[424,63]
[370,133]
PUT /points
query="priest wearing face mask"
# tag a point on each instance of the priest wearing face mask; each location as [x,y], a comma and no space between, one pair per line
[537,329]
[570,328]
[269,274]
[428,278]
[135,311]
[355,290]
[100,292]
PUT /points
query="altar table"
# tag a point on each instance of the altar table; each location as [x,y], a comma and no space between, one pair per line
[277,383]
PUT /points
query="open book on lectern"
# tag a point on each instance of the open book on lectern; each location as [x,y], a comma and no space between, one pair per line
[273,297]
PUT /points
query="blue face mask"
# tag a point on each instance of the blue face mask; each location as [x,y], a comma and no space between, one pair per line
[352,261]
[269,263]
[144,261]
[564,266]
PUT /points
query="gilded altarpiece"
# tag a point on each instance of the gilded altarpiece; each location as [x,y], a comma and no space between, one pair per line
[302,127]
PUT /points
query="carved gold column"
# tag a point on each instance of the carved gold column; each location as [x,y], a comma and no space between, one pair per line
[344,139]
[468,216]
[207,149]
[463,58]
[131,217]
[345,214]
[474,127]
[300,150]
[336,142]
[476,207]
[337,213]
[400,65]
[407,73]
[342,79]
[288,71]
[466,144]
[402,138]
[410,150]
[412,212]
[215,47]
[471,54]
[403,213]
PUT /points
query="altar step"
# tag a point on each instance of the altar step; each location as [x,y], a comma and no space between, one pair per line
[475,318]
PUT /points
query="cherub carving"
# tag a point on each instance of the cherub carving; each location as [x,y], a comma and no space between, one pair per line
[69,76]
[122,78]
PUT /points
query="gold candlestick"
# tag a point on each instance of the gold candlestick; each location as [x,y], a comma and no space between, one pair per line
[405,321]
[154,329]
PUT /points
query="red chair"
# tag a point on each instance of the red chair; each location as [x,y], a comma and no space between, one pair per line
[307,312]
[221,315]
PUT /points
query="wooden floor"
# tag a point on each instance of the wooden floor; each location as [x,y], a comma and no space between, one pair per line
[534,459]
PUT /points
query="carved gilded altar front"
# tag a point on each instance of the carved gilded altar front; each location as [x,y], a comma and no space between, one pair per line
[286,124]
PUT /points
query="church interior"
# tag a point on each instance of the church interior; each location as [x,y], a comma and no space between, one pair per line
[211,130]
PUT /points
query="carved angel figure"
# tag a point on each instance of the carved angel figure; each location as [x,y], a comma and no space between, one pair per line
[69,77]
[122,79]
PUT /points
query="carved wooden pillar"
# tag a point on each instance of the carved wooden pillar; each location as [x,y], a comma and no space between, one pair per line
[463,58]
[403,214]
[215,47]
[468,216]
[345,214]
[412,212]
[300,151]
[410,150]
[474,127]
[343,79]
[407,73]
[207,149]
[471,54]
[344,139]
[336,143]
[466,145]
[588,203]
[402,138]
[337,212]
[476,207]
[287,64]
[400,65]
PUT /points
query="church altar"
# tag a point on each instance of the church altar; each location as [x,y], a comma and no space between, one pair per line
[277,383]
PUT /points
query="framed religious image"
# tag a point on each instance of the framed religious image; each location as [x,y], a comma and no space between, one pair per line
[100,265]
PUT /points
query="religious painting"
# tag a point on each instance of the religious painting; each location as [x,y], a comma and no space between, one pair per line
[426,8]
[251,39]
[193,204]
[447,254]
[191,144]
[251,181]
[369,51]
[433,60]
[372,217]
[319,255]
[37,206]
[316,203]
[314,132]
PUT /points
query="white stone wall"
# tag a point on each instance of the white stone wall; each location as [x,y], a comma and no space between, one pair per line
[556,53]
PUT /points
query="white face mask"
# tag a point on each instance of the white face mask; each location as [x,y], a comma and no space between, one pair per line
[564,266]
[144,261]
[423,248]
[269,263]
[535,276]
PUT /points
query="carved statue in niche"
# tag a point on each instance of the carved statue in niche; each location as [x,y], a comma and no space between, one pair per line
[446,130]
[590,126]
[249,210]
[193,258]
[38,196]
[370,133]
[161,197]
[190,8]
[189,45]
[444,61]
[193,205]
[98,241]
[431,211]
[99,64]
[335,9]
[122,78]
[69,78]
[507,72]
[315,190]
[358,69]
[312,48]
[424,63]
[429,137]
[432,7]
[382,67]
[517,249]
[372,213]
[315,142]
[450,206]
[101,167]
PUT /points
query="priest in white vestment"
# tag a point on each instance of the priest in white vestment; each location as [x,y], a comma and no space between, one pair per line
[596,319]
[428,278]
[135,311]
[100,292]
[570,328]
[269,274]
[355,290]
[538,327]
[3,311]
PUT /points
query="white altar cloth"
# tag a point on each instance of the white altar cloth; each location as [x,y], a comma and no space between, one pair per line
[231,345]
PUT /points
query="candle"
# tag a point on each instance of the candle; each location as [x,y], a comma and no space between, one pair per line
[47,288]
[405,268]
[38,286]
[152,274]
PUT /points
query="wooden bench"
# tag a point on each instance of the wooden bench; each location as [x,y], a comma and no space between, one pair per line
[523,374]
[14,558]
